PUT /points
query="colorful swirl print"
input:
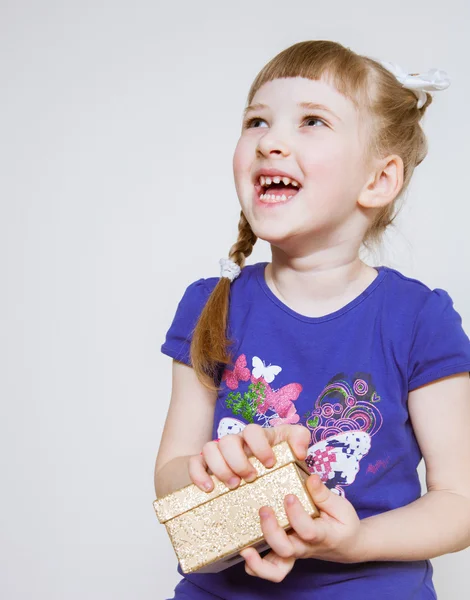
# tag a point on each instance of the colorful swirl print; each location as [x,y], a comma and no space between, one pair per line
[342,407]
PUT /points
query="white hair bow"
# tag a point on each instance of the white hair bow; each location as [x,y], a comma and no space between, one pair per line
[419,83]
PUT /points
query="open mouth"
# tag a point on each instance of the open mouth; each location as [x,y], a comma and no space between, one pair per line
[276,192]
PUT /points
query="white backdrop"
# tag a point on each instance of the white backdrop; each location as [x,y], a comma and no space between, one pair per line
[118,122]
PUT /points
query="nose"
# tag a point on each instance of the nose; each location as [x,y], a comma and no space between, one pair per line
[269,144]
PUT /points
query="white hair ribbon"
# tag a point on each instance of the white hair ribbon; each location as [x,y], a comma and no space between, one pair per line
[419,83]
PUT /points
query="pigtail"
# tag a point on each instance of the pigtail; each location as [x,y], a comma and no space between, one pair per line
[210,346]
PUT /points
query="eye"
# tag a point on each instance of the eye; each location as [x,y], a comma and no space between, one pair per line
[248,122]
[314,118]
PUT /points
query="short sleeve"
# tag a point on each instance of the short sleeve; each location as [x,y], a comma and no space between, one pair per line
[179,336]
[439,347]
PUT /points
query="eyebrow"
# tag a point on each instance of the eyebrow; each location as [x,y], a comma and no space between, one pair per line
[307,105]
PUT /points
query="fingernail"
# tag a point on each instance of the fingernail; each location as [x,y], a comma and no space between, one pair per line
[264,513]
[233,482]
[290,499]
[207,486]
[270,462]
[251,477]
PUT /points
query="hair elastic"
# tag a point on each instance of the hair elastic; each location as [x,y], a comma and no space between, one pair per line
[229,269]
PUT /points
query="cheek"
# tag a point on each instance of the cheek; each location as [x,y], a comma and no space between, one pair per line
[332,168]
[241,158]
[323,160]
[242,166]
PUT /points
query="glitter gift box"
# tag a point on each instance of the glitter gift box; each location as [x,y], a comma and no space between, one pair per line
[208,530]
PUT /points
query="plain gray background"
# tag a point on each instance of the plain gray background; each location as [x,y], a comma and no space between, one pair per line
[118,122]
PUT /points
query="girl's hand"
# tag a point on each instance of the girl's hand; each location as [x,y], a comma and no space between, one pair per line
[334,536]
[227,459]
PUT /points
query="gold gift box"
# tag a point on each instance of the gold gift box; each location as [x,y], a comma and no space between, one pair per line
[208,529]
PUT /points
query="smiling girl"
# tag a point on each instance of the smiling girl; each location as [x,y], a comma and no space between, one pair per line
[355,366]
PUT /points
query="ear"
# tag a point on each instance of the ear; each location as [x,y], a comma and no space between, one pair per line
[383,184]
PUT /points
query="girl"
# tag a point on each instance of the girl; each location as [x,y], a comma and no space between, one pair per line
[352,364]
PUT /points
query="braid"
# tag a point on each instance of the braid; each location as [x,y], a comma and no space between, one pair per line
[210,346]
[243,247]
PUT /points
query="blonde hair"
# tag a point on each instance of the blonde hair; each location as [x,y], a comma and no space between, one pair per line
[391,121]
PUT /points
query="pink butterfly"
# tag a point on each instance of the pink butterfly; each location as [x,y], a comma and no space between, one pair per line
[281,401]
[290,417]
[239,373]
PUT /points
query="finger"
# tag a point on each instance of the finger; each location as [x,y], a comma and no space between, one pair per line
[257,440]
[231,447]
[218,465]
[274,534]
[297,436]
[308,529]
[302,549]
[327,501]
[197,468]
[270,567]
[300,439]
[247,557]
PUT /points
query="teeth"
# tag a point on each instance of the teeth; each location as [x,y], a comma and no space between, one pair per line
[265,181]
[273,197]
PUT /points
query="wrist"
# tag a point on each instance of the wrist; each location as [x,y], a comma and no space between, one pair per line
[349,551]
[361,544]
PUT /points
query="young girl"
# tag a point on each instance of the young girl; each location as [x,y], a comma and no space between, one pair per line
[356,366]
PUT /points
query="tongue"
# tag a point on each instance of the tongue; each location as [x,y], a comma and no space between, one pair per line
[279,190]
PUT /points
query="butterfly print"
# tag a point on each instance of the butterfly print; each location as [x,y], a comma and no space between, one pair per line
[261,370]
[336,459]
[239,373]
[281,401]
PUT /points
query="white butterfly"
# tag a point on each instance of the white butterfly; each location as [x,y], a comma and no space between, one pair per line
[261,370]
[336,459]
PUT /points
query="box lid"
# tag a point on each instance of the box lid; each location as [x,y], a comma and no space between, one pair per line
[180,501]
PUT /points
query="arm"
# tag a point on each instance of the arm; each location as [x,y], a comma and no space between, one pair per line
[187,428]
[172,476]
[439,521]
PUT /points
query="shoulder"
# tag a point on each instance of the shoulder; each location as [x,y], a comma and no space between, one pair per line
[199,290]
[425,320]
[414,297]
[247,278]
[403,284]
[422,319]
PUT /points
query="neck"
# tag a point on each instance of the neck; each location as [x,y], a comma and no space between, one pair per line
[318,283]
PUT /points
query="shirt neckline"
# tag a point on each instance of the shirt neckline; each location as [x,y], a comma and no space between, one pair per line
[382,272]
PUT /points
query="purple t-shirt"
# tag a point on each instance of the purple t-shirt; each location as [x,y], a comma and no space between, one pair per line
[346,377]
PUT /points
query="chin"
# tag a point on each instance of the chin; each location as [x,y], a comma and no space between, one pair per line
[273,233]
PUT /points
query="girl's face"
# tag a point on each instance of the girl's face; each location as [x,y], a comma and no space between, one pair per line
[321,148]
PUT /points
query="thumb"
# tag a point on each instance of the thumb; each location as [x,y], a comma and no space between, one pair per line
[297,436]
[327,501]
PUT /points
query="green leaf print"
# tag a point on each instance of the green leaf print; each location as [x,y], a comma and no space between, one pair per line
[247,405]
